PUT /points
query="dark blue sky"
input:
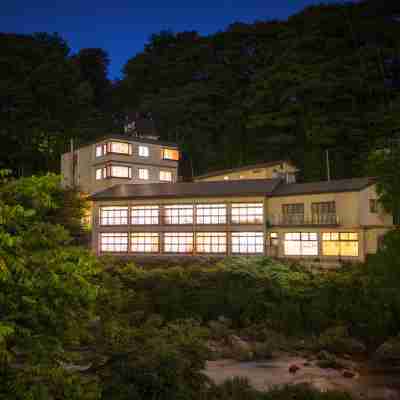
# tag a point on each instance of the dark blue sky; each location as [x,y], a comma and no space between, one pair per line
[122,27]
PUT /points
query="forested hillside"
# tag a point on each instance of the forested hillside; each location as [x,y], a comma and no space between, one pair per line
[327,78]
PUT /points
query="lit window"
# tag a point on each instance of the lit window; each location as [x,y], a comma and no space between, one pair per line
[145,215]
[211,242]
[178,242]
[113,215]
[120,171]
[178,214]
[120,148]
[293,214]
[114,242]
[226,178]
[273,239]
[99,150]
[169,154]
[143,174]
[211,214]
[99,174]
[340,244]
[373,206]
[146,242]
[144,151]
[301,244]
[247,213]
[247,242]
[166,176]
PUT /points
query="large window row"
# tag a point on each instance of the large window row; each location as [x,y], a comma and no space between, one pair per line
[181,242]
[183,214]
[124,171]
[124,148]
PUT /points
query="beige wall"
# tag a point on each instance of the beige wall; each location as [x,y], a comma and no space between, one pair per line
[251,173]
[87,163]
[372,219]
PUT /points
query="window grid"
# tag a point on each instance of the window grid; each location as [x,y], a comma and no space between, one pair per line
[211,214]
[247,242]
[247,213]
[178,214]
[178,242]
[144,151]
[301,244]
[145,242]
[293,213]
[119,171]
[340,244]
[166,176]
[119,148]
[145,215]
[114,242]
[143,174]
[323,212]
[113,215]
[211,242]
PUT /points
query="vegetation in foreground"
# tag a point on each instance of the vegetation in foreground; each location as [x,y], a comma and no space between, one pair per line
[75,327]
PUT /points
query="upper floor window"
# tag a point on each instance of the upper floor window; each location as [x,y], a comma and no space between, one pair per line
[144,174]
[211,214]
[247,213]
[101,173]
[324,212]
[113,215]
[101,150]
[144,151]
[373,206]
[166,176]
[145,215]
[293,214]
[170,154]
[178,214]
[119,148]
[119,171]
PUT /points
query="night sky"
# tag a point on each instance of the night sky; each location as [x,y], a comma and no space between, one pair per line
[122,27]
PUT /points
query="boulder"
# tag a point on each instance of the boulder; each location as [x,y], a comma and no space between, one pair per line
[337,340]
[241,350]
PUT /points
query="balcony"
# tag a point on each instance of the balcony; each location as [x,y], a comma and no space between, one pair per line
[302,220]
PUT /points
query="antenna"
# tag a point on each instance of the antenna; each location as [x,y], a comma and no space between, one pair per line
[328,168]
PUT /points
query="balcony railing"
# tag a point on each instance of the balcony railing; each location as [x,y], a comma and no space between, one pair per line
[301,220]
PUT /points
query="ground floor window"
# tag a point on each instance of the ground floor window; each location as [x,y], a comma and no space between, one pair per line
[114,242]
[211,242]
[273,239]
[247,242]
[340,244]
[146,242]
[301,244]
[178,242]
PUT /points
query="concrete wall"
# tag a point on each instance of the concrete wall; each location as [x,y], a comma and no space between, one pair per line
[251,173]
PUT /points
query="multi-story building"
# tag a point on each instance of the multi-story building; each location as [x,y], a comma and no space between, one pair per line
[117,159]
[326,221]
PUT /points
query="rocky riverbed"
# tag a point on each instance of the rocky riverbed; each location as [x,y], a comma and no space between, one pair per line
[362,379]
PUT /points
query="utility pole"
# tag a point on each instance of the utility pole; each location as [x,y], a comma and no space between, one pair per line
[72,162]
[328,168]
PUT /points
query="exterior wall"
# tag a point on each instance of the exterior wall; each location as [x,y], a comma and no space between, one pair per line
[347,207]
[251,173]
[379,219]
[86,164]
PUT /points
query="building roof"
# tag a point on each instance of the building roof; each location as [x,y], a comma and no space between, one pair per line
[131,138]
[333,186]
[255,187]
[239,169]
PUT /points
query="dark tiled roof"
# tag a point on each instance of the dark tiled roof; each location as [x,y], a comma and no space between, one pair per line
[255,187]
[334,186]
[244,168]
[130,138]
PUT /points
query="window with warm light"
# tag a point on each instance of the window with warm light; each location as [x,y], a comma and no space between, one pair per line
[170,154]
[178,214]
[211,214]
[119,171]
[120,148]
[100,173]
[273,239]
[99,150]
[144,151]
[211,242]
[247,213]
[178,242]
[166,176]
[247,242]
[301,244]
[114,242]
[340,244]
[113,215]
[145,215]
[144,174]
[145,242]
